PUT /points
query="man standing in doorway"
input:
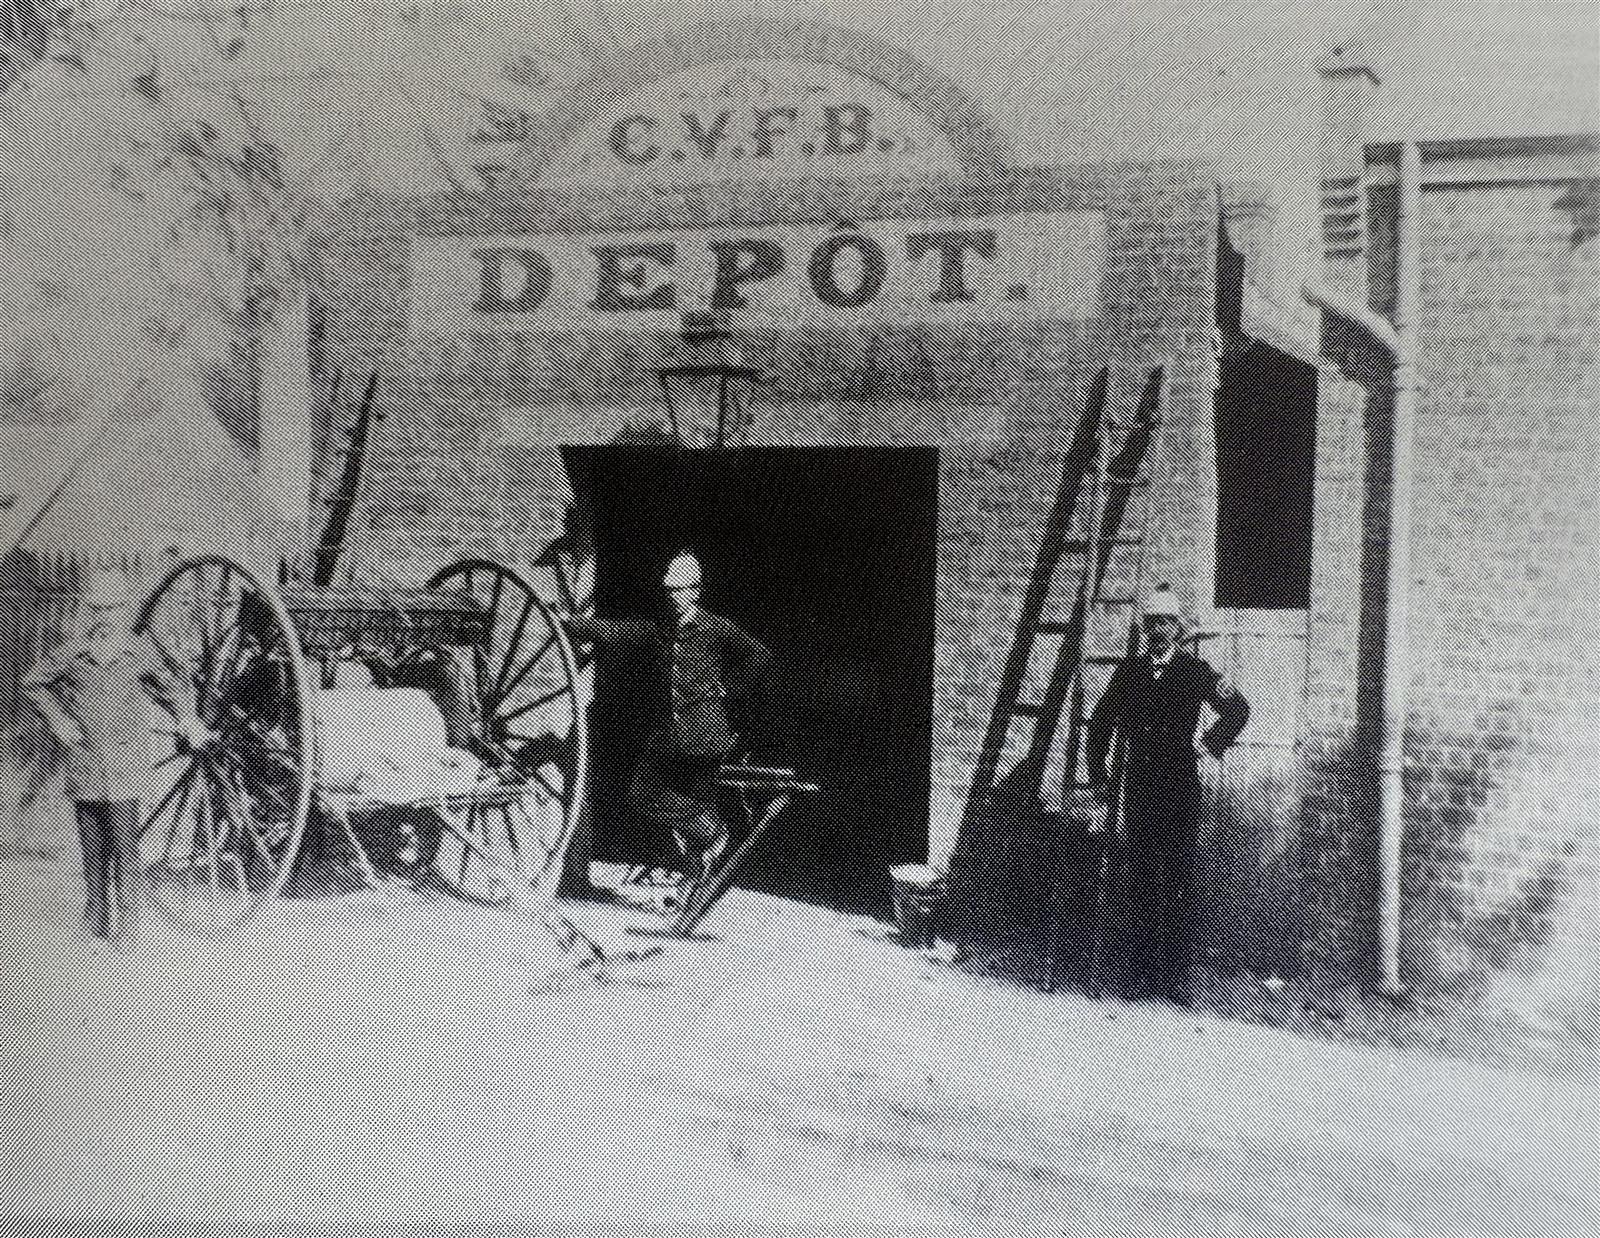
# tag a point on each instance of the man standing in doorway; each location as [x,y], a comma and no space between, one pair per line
[1153,705]
[699,661]
[97,694]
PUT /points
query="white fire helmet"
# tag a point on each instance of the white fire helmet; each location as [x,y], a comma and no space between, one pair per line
[683,572]
[1162,603]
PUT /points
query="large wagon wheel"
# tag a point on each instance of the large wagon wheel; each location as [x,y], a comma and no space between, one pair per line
[530,706]
[220,834]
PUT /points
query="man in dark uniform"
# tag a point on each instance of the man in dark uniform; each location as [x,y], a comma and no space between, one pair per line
[1153,704]
[700,659]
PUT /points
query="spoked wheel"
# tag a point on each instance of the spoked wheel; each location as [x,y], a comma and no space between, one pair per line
[219,836]
[531,707]
[500,845]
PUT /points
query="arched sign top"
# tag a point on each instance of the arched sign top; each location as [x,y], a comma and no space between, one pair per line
[763,119]
[976,148]
[756,113]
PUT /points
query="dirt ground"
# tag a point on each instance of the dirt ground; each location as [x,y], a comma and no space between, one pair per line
[1471,1027]
[392,1058]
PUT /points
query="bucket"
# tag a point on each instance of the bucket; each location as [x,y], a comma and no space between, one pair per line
[918,891]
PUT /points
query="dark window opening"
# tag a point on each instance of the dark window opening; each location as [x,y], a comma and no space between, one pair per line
[1266,425]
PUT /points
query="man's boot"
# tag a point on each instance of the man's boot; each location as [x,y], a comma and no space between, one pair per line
[92,836]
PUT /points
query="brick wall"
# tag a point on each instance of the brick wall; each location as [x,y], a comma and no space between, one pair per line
[1499,887]
[467,459]
[1502,819]
[1338,759]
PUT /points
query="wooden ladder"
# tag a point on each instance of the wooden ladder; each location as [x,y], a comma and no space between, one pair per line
[1108,628]
[1112,633]
[340,505]
[1003,786]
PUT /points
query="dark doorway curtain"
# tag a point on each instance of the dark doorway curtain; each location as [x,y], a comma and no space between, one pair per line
[826,555]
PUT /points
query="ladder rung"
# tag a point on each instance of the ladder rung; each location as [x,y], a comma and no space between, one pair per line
[1115,601]
[1104,659]
[1132,483]
[1026,709]
[1053,627]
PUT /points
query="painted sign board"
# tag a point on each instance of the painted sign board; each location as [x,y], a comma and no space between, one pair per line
[1017,265]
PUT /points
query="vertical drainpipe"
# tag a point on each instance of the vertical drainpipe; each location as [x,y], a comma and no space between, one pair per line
[1399,341]
[1397,625]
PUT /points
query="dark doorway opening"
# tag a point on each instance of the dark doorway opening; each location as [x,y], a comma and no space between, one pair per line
[827,556]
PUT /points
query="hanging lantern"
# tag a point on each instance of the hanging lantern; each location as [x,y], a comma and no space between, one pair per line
[708,392]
